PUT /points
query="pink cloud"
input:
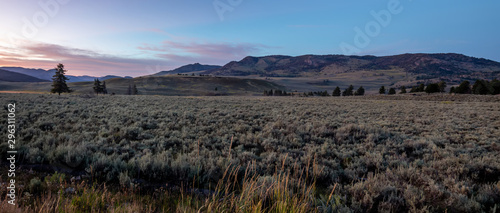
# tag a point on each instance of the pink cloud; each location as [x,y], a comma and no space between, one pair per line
[80,61]
[215,53]
[165,56]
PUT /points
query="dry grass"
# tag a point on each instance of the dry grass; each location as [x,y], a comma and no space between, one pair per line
[379,153]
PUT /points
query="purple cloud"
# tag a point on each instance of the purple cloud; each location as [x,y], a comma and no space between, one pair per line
[80,61]
[214,53]
[168,55]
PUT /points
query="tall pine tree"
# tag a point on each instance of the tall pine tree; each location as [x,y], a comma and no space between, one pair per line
[336,92]
[59,81]
[381,90]
[349,91]
[360,91]
[97,86]
[134,90]
[104,90]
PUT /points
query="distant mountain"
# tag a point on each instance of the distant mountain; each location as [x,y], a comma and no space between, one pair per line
[91,78]
[113,76]
[37,73]
[188,68]
[451,67]
[17,77]
[47,74]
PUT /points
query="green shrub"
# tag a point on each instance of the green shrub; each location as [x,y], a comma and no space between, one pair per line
[35,186]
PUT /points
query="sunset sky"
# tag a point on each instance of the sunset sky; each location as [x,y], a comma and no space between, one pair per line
[134,38]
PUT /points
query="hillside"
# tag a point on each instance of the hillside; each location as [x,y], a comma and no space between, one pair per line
[327,71]
[17,77]
[427,65]
[188,69]
[163,85]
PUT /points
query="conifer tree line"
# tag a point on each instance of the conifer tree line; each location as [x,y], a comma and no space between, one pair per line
[430,88]
[480,87]
[336,92]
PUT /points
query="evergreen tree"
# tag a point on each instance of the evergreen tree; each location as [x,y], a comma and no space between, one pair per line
[59,81]
[381,90]
[134,90]
[97,86]
[495,85]
[403,90]
[104,90]
[432,88]
[392,91]
[360,91]
[463,88]
[349,91]
[336,92]
[413,89]
[129,90]
[421,88]
[481,87]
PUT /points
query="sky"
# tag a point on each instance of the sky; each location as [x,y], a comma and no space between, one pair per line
[142,37]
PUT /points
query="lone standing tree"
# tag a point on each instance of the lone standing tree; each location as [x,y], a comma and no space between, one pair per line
[59,81]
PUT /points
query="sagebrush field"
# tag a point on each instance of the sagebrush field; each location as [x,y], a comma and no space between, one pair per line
[401,153]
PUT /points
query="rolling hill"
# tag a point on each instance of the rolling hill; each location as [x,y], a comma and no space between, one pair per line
[173,85]
[190,68]
[17,77]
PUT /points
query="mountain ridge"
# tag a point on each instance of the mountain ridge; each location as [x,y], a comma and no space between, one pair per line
[46,75]
[9,76]
[426,65]
[196,67]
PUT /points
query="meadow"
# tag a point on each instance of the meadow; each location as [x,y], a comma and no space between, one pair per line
[402,153]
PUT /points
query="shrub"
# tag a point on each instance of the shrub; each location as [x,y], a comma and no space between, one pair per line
[35,186]
[372,153]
